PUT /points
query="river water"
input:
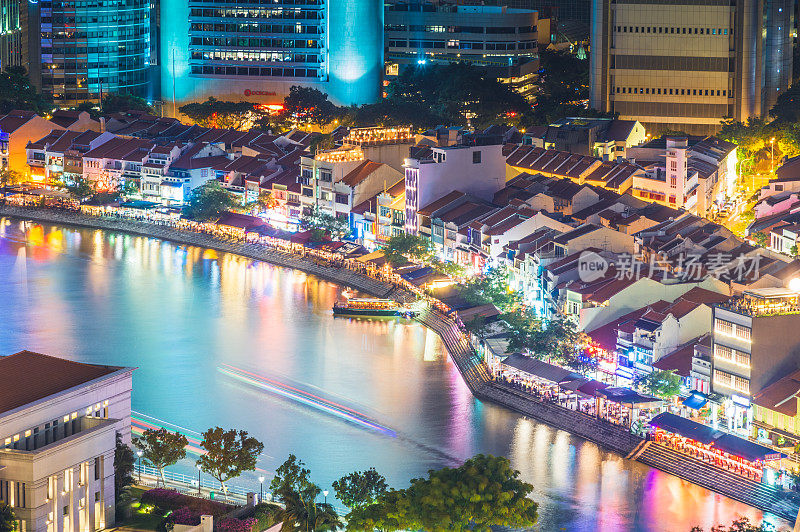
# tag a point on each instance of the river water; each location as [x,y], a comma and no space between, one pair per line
[180,314]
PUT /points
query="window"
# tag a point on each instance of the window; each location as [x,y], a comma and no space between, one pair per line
[723,327]
[97,468]
[476,157]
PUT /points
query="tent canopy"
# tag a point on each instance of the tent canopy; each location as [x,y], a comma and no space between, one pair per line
[685,427]
[746,449]
[539,368]
[696,400]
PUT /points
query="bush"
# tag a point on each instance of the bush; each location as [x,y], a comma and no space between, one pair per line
[166,500]
[266,515]
[231,524]
[185,516]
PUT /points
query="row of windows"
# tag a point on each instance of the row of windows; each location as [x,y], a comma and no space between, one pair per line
[255,56]
[13,493]
[670,92]
[463,45]
[251,71]
[671,30]
[733,382]
[295,14]
[254,27]
[497,30]
[728,328]
[267,2]
[728,354]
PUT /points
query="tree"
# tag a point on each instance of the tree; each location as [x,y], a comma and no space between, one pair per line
[80,189]
[400,248]
[360,488]
[451,269]
[660,383]
[229,453]
[263,203]
[291,477]
[221,114]
[787,106]
[303,514]
[311,105]
[119,102]
[123,468]
[162,448]
[760,238]
[129,188]
[10,177]
[739,525]
[208,201]
[17,92]
[484,492]
[337,226]
[493,288]
[8,521]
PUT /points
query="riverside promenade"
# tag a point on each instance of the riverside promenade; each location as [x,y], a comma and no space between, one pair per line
[612,437]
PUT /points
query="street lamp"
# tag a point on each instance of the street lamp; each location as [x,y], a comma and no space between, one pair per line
[198,480]
[772,155]
[139,454]
[325,494]
[261,495]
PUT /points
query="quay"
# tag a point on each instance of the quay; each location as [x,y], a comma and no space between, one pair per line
[607,435]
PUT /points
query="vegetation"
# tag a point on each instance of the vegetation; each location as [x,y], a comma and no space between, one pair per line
[323,223]
[229,453]
[484,492]
[162,448]
[360,488]
[119,102]
[221,114]
[491,288]
[310,105]
[8,521]
[80,189]
[264,202]
[557,339]
[400,248]
[293,487]
[10,177]
[123,471]
[291,476]
[17,92]
[659,383]
[208,201]
[742,524]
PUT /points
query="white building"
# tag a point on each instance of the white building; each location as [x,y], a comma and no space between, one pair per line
[58,425]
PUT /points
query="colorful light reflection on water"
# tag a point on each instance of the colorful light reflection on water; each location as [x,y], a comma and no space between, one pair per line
[178,313]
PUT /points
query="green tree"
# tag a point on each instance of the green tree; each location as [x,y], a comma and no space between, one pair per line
[760,238]
[337,226]
[360,487]
[484,492]
[10,177]
[79,188]
[118,102]
[451,269]
[123,469]
[162,448]
[263,203]
[229,453]
[400,248]
[659,383]
[208,201]
[492,287]
[17,92]
[309,105]
[221,114]
[291,477]
[8,521]
[302,513]
[129,188]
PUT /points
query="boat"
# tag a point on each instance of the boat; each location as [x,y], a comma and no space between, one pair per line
[367,307]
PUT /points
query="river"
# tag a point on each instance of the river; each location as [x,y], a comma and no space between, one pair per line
[180,314]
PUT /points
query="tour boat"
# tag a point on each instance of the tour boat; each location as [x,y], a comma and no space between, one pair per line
[367,307]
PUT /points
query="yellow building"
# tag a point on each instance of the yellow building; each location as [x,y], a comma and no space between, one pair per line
[775,413]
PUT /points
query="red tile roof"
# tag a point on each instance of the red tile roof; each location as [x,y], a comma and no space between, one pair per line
[26,377]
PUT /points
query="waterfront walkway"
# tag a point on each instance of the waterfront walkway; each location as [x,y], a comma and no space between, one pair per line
[475,373]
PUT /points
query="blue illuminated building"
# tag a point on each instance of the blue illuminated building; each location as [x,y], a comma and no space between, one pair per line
[257,50]
[76,51]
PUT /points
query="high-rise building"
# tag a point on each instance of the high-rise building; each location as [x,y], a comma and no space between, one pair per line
[77,51]
[256,51]
[687,65]
[497,37]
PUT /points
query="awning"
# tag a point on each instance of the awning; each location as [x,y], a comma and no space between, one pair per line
[539,368]
[696,400]
[746,449]
[685,427]
[627,396]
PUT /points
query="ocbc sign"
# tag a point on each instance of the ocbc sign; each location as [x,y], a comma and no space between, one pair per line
[248,92]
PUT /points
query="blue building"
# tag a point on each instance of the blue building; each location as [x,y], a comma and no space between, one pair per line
[258,49]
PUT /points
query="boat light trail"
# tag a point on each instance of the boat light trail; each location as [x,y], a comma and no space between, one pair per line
[306,398]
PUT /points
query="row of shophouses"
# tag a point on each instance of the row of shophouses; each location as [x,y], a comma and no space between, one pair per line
[653,282]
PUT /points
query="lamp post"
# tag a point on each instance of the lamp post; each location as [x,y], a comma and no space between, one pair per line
[772,155]
[325,494]
[139,454]
[261,494]
[198,480]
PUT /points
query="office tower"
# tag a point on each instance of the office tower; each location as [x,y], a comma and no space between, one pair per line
[686,65]
[75,51]
[256,51]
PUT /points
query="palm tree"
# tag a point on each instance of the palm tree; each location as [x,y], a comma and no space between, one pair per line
[303,514]
[8,521]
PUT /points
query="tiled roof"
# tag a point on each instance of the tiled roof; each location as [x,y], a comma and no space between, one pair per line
[26,377]
[434,206]
[360,173]
[781,396]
